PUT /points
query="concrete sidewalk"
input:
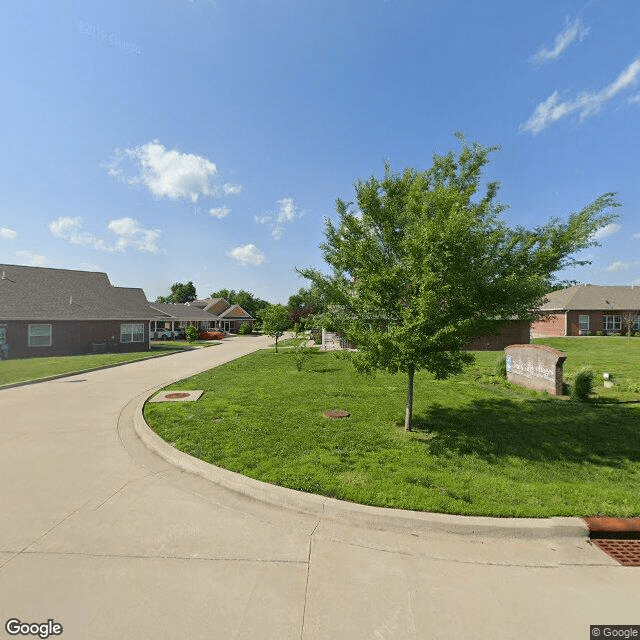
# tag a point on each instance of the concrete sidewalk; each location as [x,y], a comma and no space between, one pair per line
[112,541]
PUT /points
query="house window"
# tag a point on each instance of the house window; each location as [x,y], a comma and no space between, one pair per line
[635,325]
[39,335]
[584,323]
[132,333]
[612,323]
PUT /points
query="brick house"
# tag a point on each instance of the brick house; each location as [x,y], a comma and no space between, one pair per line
[178,316]
[51,312]
[588,308]
[226,317]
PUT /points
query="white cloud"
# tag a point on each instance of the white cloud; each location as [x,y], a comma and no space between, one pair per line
[231,189]
[9,234]
[128,233]
[635,99]
[621,265]
[586,104]
[247,254]
[573,31]
[131,234]
[31,259]
[636,236]
[169,173]
[287,211]
[219,212]
[606,231]
[70,229]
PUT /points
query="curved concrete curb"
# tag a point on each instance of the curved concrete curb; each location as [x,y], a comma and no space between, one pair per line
[356,514]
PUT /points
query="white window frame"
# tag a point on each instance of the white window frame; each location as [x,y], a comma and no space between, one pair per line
[31,335]
[612,323]
[581,325]
[128,332]
[635,325]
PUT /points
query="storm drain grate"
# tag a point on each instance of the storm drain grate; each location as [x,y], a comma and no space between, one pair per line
[619,538]
[626,552]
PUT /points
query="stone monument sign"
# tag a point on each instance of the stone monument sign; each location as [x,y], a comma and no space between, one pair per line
[535,366]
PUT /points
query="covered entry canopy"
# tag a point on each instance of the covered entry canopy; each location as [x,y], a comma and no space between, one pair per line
[178,315]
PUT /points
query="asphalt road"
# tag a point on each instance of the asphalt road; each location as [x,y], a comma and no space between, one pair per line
[103,537]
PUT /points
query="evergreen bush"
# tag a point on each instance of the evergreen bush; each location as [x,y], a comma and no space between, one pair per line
[582,387]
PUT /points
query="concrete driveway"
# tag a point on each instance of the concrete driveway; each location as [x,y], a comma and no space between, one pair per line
[107,539]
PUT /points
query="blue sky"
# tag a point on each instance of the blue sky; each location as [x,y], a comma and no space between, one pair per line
[176,140]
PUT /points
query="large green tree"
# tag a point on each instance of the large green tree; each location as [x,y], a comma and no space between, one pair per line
[249,302]
[305,303]
[424,262]
[180,292]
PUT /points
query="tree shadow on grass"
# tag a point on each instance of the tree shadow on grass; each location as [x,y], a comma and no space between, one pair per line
[551,431]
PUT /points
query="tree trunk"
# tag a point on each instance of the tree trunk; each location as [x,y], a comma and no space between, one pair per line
[408,418]
[276,343]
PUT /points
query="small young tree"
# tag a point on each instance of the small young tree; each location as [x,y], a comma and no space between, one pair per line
[301,354]
[424,264]
[275,321]
[628,317]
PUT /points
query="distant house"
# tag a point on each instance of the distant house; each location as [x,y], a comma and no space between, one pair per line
[175,316]
[587,309]
[226,317]
[47,312]
[213,314]
[512,331]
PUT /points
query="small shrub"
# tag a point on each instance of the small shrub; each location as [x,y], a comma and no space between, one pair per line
[614,333]
[244,329]
[599,333]
[500,366]
[191,334]
[582,387]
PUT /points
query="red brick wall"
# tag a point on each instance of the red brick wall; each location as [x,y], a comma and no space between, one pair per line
[72,337]
[596,320]
[550,325]
[512,332]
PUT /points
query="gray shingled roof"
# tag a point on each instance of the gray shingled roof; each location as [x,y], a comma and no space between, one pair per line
[205,302]
[178,311]
[38,293]
[593,297]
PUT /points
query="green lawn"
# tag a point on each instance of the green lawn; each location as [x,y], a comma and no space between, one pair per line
[291,342]
[617,355]
[21,370]
[478,447]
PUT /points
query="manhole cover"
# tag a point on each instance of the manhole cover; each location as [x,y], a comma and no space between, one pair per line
[177,396]
[334,413]
[626,552]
